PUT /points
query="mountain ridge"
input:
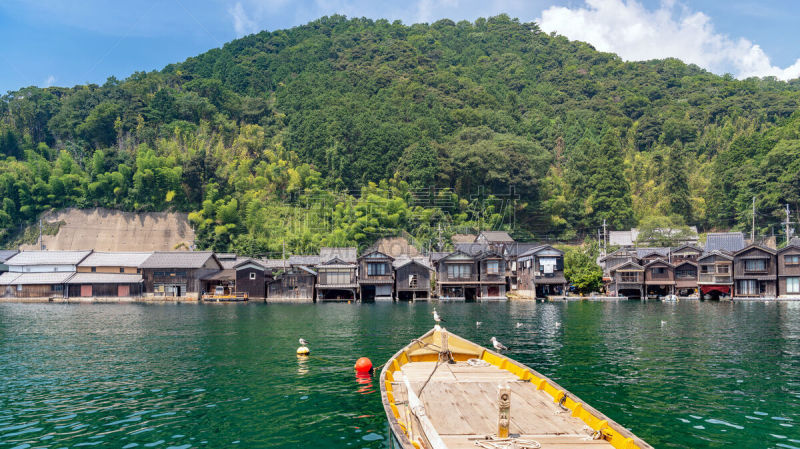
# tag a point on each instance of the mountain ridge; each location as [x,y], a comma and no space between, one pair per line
[239,133]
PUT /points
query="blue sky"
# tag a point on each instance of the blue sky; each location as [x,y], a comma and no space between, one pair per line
[58,42]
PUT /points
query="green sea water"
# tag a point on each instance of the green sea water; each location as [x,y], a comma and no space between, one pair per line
[686,375]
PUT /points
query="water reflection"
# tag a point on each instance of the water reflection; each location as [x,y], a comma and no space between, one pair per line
[364,380]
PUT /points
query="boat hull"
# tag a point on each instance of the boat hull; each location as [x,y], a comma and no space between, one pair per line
[451,415]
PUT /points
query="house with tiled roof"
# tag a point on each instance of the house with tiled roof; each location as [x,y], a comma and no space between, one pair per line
[337,275]
[178,273]
[40,274]
[729,242]
[541,272]
[755,272]
[412,278]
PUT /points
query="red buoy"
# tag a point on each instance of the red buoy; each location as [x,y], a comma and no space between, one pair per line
[363,365]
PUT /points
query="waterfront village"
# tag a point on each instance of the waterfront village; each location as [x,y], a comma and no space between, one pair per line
[487,266]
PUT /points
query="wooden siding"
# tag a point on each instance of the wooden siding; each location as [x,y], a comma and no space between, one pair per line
[255,288]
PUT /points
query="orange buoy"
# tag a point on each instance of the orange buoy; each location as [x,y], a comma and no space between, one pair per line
[363,365]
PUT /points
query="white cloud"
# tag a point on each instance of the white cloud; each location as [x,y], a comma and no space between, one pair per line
[635,33]
[49,81]
[242,23]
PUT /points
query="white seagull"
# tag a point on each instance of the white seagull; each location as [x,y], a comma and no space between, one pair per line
[519,325]
[478,323]
[436,317]
[663,323]
[498,346]
[303,342]
[558,323]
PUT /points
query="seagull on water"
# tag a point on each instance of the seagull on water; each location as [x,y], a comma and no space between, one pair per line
[558,323]
[303,342]
[498,346]
[663,323]
[478,323]
[519,325]
[436,317]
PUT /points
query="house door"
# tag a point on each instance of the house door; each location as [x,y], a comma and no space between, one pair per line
[86,290]
[123,290]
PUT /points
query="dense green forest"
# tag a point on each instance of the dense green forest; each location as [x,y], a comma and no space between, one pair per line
[344,130]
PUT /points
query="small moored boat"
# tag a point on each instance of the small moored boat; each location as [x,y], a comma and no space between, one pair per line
[443,391]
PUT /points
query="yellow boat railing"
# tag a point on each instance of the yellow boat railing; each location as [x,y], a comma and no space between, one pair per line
[463,350]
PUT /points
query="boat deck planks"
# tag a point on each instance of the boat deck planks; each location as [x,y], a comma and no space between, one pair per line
[461,402]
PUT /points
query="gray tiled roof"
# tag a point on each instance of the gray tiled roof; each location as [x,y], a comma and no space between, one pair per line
[56,277]
[275,263]
[347,254]
[105,278]
[307,260]
[403,261]
[110,259]
[496,236]
[644,252]
[438,255]
[48,258]
[473,249]
[725,241]
[519,248]
[177,259]
[6,254]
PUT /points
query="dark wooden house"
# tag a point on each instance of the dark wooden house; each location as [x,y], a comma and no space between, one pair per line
[178,273]
[659,278]
[540,272]
[492,276]
[686,278]
[376,277]
[789,269]
[251,279]
[412,279]
[627,279]
[686,252]
[755,272]
[457,277]
[715,274]
[293,284]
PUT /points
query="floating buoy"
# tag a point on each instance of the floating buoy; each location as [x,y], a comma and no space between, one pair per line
[302,350]
[363,365]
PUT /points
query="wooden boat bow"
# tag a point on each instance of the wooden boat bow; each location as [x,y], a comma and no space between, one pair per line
[441,391]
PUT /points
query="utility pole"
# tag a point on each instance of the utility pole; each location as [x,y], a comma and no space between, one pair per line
[41,243]
[753,229]
[600,244]
[787,224]
[283,255]
[605,238]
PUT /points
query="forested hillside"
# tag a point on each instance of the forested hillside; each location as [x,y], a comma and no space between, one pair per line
[341,131]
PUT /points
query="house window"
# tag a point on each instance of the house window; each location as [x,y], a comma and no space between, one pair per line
[376,269]
[685,273]
[793,285]
[755,265]
[705,268]
[338,277]
[659,270]
[724,269]
[492,266]
[94,269]
[121,269]
[459,270]
[412,281]
[252,276]
[629,277]
[748,287]
[792,259]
